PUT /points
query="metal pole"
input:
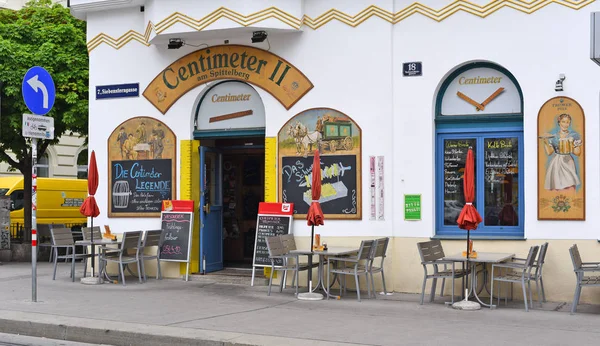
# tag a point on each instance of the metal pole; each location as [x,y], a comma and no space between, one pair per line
[34,143]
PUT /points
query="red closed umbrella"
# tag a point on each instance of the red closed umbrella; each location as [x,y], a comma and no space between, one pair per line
[89,207]
[314,217]
[469,217]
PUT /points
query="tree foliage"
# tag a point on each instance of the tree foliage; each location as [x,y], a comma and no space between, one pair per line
[47,35]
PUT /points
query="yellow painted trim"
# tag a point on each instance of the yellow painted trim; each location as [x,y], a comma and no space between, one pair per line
[270,169]
[190,190]
[524,6]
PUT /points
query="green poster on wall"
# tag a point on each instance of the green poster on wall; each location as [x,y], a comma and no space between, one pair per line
[412,207]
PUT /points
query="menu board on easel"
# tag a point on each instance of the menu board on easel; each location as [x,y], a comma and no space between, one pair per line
[274,219]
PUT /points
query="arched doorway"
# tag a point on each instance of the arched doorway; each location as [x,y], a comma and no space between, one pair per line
[229,122]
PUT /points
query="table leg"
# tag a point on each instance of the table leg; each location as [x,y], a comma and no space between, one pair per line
[474,287]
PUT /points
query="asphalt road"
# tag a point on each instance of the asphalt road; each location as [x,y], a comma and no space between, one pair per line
[20,340]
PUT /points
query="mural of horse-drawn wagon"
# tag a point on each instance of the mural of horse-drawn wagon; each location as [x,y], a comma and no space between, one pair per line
[337,135]
[338,139]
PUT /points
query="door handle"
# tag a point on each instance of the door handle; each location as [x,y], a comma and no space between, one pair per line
[206,208]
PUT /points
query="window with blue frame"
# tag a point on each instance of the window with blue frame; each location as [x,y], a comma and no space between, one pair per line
[479,106]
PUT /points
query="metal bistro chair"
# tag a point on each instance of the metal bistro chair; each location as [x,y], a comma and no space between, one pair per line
[63,238]
[352,265]
[581,268]
[152,239]
[277,251]
[537,274]
[289,244]
[432,254]
[131,241]
[380,248]
[516,272]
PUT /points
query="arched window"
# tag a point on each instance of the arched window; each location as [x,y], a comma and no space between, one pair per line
[43,166]
[82,164]
[480,105]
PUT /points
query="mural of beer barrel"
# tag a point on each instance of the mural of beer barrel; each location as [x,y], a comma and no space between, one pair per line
[120,194]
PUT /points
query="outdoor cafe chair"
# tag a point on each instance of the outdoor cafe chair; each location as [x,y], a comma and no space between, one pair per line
[289,244]
[536,276]
[277,251]
[432,255]
[519,272]
[581,268]
[62,238]
[152,238]
[131,242]
[379,251]
[352,265]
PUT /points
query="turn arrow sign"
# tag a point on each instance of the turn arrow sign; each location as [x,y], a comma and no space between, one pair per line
[39,92]
[35,83]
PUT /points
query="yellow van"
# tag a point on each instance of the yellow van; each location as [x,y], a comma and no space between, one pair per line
[58,200]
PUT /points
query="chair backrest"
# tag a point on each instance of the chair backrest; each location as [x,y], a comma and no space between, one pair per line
[87,233]
[153,238]
[43,233]
[542,254]
[62,236]
[131,240]
[275,246]
[365,250]
[381,248]
[530,261]
[575,257]
[289,243]
[430,250]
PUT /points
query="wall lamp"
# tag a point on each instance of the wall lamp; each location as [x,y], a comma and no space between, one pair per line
[176,43]
[259,36]
[559,82]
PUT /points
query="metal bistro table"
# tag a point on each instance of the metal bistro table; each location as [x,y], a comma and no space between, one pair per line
[103,244]
[483,258]
[333,251]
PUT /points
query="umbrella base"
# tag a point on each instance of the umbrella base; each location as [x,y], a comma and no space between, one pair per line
[310,296]
[466,305]
[91,281]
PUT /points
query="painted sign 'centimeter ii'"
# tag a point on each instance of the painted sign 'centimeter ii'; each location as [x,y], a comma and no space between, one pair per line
[248,64]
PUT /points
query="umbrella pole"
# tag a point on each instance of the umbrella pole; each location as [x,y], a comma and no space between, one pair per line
[467,276]
[310,258]
[93,247]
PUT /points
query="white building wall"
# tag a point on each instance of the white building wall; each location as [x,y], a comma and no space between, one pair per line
[357,70]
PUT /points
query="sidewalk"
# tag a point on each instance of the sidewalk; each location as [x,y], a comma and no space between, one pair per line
[174,312]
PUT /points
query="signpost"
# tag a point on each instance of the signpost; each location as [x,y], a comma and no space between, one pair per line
[39,94]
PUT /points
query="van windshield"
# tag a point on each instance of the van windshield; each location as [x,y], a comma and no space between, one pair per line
[3,192]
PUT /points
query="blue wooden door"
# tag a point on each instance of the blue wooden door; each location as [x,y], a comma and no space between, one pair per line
[211,210]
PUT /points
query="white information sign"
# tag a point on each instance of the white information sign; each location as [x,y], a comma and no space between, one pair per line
[372,215]
[38,126]
[380,188]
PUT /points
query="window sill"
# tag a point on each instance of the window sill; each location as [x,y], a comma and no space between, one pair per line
[478,237]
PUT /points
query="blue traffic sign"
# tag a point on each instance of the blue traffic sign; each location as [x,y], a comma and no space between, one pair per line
[38,90]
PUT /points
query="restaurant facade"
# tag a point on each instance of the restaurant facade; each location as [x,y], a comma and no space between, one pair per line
[224,104]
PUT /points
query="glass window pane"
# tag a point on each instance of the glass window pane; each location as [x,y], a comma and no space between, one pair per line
[455,156]
[501,181]
[212,172]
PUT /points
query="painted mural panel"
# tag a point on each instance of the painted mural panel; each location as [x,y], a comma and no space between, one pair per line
[141,168]
[561,160]
[338,139]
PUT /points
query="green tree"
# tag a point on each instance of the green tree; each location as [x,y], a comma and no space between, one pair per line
[47,35]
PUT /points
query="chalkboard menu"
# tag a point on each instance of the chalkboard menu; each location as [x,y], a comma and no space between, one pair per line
[177,228]
[268,226]
[338,178]
[455,157]
[140,186]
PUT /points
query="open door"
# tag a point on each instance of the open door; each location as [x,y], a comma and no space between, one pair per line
[211,210]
